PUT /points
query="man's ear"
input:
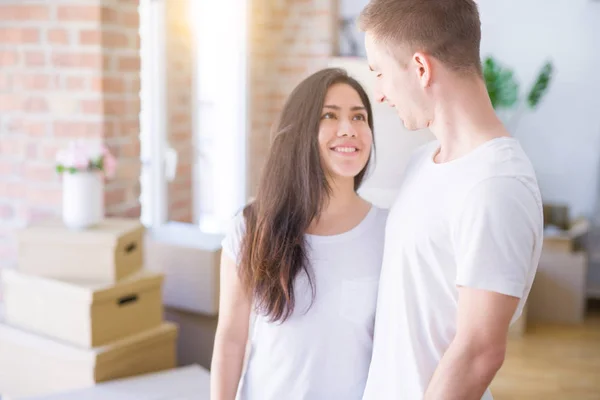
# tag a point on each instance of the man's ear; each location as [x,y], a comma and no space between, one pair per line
[421,63]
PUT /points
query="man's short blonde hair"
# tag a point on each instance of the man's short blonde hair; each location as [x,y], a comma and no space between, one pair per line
[448,30]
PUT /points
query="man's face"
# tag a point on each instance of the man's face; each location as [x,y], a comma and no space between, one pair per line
[398,83]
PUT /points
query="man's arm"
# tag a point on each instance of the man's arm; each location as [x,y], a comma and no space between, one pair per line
[477,351]
[496,240]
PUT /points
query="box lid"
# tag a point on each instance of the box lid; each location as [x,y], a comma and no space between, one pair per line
[87,291]
[95,355]
[135,343]
[9,335]
[108,232]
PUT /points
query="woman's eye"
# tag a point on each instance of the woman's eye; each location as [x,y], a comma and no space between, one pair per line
[360,117]
[328,115]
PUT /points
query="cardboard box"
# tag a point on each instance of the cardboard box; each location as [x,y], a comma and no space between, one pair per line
[189,382]
[83,313]
[108,252]
[558,294]
[569,240]
[32,365]
[190,260]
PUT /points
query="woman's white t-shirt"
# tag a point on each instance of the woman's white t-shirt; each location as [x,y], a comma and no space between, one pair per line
[322,352]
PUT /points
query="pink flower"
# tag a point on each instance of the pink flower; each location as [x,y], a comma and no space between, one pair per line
[80,157]
[85,155]
[109,163]
[74,156]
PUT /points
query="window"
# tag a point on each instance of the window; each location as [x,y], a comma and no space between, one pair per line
[220,117]
[219,112]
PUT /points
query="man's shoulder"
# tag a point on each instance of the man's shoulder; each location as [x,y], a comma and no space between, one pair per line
[502,175]
[503,159]
[498,188]
[507,157]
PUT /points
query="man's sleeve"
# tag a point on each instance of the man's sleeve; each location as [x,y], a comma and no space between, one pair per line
[495,236]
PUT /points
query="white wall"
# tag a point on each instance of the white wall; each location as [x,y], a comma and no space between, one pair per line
[562,137]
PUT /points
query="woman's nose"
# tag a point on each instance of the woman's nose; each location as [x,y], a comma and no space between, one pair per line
[346,129]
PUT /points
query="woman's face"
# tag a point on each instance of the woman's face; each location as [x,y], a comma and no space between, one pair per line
[345,137]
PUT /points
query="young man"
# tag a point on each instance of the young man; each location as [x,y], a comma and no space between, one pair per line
[464,235]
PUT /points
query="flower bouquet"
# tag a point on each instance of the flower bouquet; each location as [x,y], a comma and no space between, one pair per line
[84,166]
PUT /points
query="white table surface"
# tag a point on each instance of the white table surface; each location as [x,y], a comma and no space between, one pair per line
[184,383]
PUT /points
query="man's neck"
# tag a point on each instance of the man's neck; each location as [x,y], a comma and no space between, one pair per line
[464,119]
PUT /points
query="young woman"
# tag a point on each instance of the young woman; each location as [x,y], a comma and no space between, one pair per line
[300,266]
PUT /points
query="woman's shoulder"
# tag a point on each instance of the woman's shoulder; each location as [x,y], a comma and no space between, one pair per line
[374,221]
[380,212]
[236,224]
[234,234]
[380,215]
[376,213]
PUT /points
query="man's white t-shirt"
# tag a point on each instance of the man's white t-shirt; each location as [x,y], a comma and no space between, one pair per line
[477,222]
[322,352]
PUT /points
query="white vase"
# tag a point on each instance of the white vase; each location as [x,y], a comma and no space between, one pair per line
[83,199]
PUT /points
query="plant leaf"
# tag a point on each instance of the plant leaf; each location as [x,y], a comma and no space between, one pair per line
[540,87]
[500,83]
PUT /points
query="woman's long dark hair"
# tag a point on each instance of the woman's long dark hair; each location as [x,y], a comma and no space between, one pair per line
[291,194]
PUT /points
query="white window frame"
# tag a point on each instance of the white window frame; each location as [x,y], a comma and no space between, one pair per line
[153,113]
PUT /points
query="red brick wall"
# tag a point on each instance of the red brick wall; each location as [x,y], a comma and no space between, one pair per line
[289,40]
[68,69]
[179,62]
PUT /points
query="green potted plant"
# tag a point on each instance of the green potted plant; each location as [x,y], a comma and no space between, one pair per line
[503,89]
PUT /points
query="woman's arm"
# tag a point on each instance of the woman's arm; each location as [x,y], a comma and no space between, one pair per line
[232,333]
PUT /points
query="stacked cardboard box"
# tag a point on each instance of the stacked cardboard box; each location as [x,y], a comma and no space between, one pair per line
[81,309]
[558,294]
